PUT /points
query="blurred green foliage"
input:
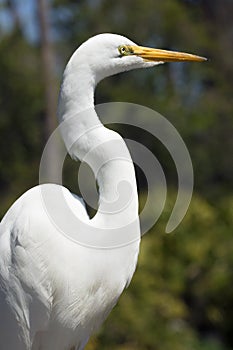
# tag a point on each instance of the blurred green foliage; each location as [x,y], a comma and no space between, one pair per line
[181,296]
[21,114]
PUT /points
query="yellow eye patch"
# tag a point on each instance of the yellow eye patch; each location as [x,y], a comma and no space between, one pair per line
[125,50]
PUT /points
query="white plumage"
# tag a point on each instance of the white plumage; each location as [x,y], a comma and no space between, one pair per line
[54,292]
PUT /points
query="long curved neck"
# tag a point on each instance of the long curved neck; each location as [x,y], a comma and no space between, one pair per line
[104,150]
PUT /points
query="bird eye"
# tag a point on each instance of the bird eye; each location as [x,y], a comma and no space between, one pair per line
[125,50]
[122,50]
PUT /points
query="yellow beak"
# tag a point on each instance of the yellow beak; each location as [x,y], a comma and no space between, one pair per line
[157,55]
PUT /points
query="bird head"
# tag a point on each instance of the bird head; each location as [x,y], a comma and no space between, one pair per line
[109,54]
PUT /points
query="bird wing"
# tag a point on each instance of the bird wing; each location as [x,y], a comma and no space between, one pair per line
[25,296]
[27,241]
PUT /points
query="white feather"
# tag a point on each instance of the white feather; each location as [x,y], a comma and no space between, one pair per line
[54,293]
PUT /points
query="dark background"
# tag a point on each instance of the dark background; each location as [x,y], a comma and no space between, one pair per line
[182,294]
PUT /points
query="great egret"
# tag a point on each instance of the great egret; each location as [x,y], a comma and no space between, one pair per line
[54,293]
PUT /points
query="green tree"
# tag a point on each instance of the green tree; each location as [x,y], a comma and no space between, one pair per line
[20,117]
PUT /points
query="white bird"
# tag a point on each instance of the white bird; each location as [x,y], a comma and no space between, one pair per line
[55,292]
